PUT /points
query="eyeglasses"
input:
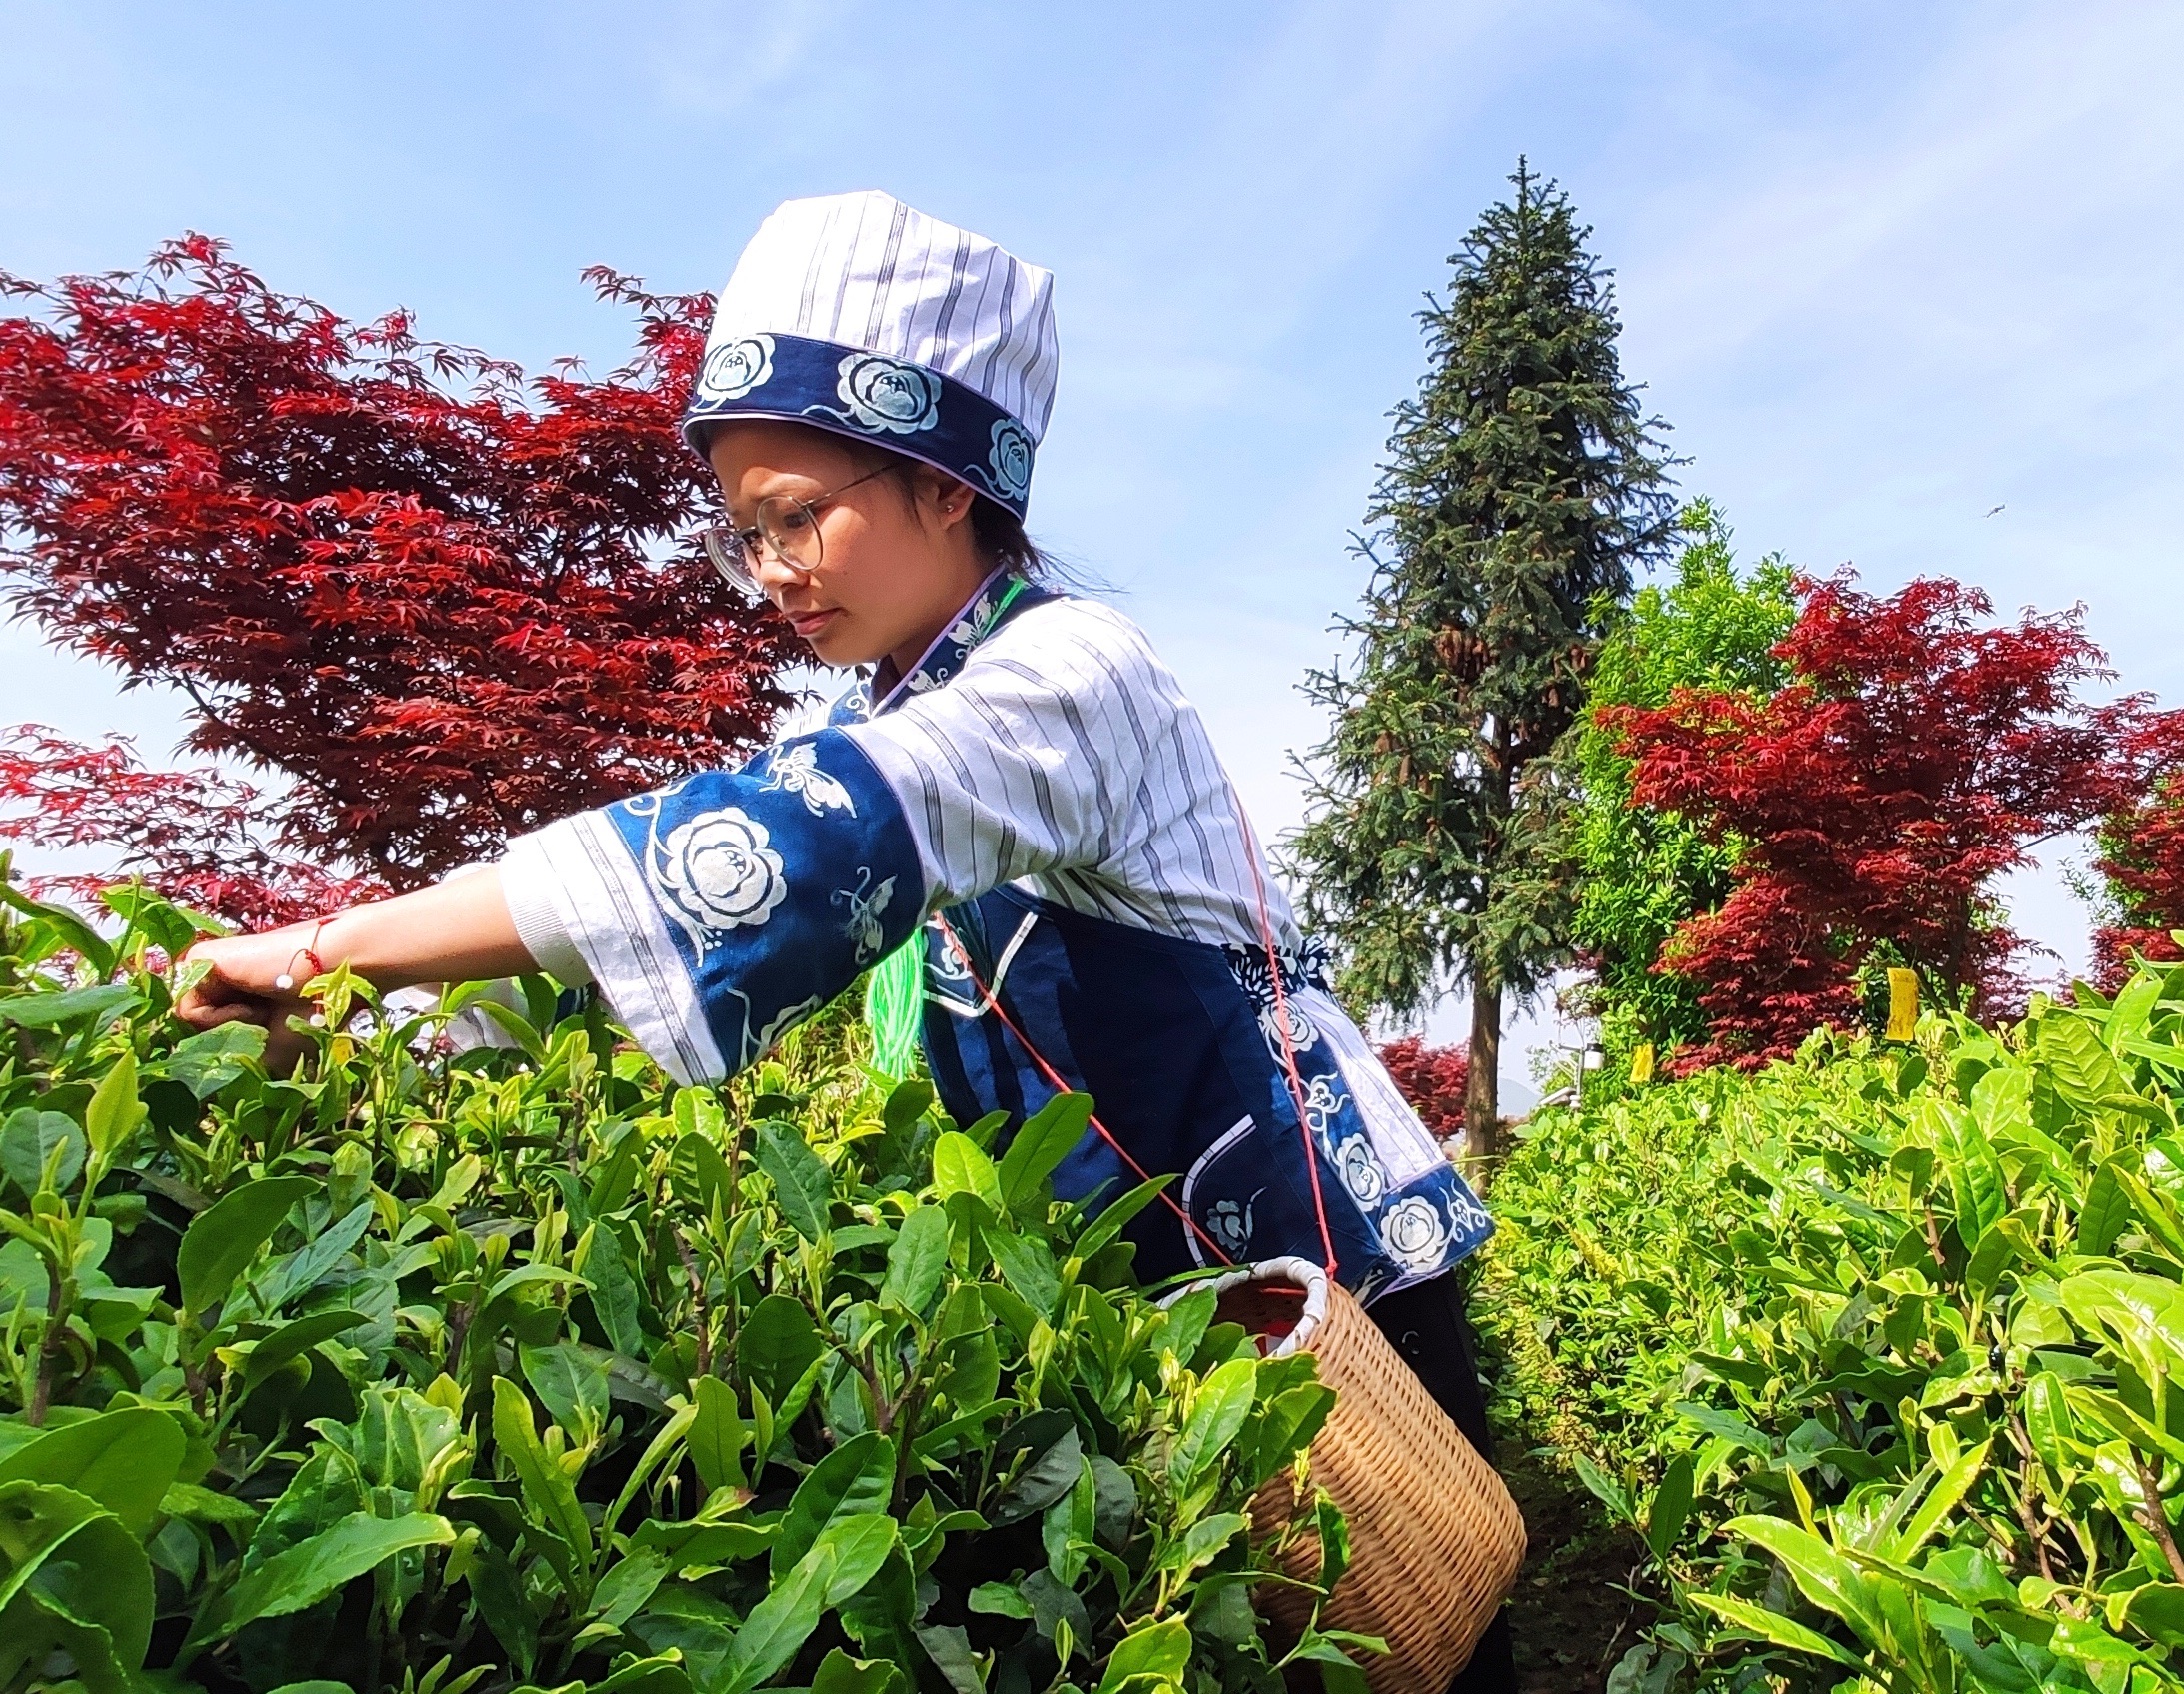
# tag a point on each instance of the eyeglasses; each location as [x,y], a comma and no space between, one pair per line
[787,526]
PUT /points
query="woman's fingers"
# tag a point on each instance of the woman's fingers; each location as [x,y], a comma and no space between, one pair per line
[201,1012]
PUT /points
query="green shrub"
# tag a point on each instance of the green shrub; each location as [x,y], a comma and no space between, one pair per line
[526,1367]
[1878,1350]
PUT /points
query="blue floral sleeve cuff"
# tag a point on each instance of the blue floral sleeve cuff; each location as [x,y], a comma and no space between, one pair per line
[717,912]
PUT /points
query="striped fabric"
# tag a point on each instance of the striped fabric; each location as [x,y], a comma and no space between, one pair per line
[1067,759]
[1042,780]
[865,270]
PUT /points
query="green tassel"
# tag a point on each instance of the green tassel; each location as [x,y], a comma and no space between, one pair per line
[894,1006]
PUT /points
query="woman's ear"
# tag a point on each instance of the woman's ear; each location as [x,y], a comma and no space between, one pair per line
[944,499]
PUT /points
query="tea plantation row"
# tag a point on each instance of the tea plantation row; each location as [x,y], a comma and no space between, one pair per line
[1880,1354]
[525,1368]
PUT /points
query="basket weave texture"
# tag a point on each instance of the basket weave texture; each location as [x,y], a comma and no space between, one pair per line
[1435,1539]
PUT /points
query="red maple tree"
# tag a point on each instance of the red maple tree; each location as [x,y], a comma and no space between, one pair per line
[442,602]
[1920,753]
[198,835]
[1432,1079]
[2142,856]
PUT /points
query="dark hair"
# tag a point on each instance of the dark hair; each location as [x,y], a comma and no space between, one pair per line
[1000,537]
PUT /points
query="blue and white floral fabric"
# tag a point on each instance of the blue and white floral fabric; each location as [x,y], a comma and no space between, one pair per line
[1039,793]
[861,314]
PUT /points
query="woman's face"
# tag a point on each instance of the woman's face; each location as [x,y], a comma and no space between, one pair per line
[895,560]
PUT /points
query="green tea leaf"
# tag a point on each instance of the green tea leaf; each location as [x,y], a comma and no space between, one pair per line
[1975,1174]
[854,1480]
[1049,1476]
[115,1111]
[221,1242]
[801,1186]
[1947,1494]
[1334,1531]
[998,1599]
[544,1484]
[917,1259]
[2047,1422]
[717,1434]
[838,1563]
[2105,1213]
[1823,1575]
[1046,1138]
[1204,1540]
[1028,1266]
[2079,1062]
[614,1295]
[1773,1627]
[628,1584]
[1115,1503]
[75,1579]
[122,1460]
[72,930]
[569,1383]
[1161,1651]
[305,1574]
[838,1673]
[777,1344]
[27,1145]
[292,1340]
[948,1647]
[1222,1403]
[1067,1526]
[1671,1507]
[907,1102]
[51,1010]
[958,1167]
[2144,1313]
[2156,1211]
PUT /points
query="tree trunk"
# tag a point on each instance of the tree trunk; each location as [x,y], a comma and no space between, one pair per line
[1483,1093]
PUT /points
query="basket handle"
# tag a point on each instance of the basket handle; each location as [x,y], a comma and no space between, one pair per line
[1289,1272]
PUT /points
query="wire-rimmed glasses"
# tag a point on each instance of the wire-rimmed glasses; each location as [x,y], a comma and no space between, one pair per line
[787,525]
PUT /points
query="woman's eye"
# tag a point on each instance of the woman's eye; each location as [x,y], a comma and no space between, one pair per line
[795,520]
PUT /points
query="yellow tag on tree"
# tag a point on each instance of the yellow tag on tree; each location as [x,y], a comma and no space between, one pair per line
[1902,1004]
[1641,1066]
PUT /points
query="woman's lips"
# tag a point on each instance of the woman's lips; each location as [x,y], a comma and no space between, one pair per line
[809,623]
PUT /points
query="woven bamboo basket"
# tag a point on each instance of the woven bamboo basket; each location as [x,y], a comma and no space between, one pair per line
[1435,1539]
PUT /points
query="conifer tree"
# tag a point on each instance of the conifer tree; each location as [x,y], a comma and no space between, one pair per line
[1524,485]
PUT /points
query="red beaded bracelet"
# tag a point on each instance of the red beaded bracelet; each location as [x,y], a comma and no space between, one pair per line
[287,980]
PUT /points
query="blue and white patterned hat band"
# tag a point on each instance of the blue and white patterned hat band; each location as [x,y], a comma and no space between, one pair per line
[861,314]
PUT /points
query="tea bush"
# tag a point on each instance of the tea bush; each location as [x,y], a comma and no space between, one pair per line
[525,1367]
[1878,1350]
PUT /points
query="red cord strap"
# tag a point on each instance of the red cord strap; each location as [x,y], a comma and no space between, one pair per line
[1281,1017]
[1061,1085]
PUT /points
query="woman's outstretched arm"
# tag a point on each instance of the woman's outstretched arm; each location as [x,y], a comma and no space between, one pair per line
[454,931]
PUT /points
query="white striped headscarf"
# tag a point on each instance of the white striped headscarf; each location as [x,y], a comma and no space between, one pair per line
[864,315]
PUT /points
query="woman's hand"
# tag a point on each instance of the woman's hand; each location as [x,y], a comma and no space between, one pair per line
[456,932]
[255,979]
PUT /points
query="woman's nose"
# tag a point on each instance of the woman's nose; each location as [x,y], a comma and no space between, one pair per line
[774,573]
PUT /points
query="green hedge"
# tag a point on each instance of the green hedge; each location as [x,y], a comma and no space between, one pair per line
[1879,1352]
[526,1367]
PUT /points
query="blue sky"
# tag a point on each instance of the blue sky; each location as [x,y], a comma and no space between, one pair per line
[1884,268]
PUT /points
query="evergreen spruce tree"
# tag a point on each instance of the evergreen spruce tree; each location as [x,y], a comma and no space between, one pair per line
[1524,485]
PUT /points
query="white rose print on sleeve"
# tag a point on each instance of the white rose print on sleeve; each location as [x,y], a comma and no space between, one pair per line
[1414,1233]
[716,873]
